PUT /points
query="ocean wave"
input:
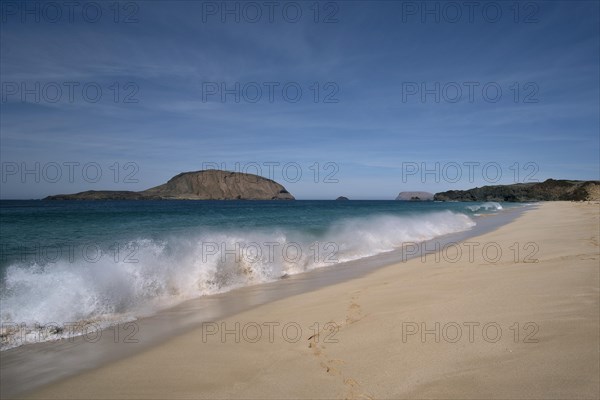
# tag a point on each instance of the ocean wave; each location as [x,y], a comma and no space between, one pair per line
[487,206]
[156,273]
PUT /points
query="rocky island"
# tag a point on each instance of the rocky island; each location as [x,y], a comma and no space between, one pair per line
[549,190]
[197,185]
[415,196]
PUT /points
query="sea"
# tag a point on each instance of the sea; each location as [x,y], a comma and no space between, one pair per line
[64,262]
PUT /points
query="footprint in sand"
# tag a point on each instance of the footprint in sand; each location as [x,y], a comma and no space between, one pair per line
[355,313]
[333,366]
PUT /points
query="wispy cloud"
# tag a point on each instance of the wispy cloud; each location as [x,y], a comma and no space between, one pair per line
[367,57]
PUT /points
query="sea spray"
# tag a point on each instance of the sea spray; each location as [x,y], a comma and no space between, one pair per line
[487,206]
[179,267]
[108,262]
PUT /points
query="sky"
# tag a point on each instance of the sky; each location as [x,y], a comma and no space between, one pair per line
[342,98]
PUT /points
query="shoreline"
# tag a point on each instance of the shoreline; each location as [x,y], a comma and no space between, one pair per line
[32,365]
[366,335]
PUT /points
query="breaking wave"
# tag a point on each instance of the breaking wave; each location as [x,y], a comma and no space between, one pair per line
[487,206]
[99,283]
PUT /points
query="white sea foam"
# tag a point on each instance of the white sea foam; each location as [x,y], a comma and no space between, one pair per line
[488,206]
[177,268]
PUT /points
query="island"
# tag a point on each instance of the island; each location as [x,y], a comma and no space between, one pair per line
[549,190]
[342,198]
[196,185]
[415,196]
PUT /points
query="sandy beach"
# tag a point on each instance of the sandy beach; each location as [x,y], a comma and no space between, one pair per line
[510,314]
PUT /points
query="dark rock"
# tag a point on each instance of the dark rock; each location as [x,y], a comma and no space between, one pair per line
[549,190]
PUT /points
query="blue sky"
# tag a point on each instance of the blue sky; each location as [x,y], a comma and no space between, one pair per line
[377,67]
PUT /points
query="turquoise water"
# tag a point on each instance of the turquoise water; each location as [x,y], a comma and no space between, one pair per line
[65,261]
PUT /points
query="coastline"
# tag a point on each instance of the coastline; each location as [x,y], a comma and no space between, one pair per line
[372,315]
[28,367]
